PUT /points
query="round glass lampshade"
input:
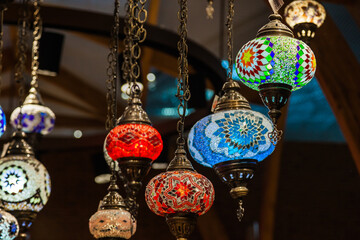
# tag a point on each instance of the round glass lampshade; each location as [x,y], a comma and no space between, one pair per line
[112,223]
[34,118]
[231,135]
[134,140]
[275,59]
[2,121]
[304,11]
[24,183]
[179,191]
[9,227]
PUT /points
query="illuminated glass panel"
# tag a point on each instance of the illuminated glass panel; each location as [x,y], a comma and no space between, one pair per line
[2,121]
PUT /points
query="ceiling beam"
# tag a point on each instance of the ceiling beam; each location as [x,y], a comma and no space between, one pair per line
[338,74]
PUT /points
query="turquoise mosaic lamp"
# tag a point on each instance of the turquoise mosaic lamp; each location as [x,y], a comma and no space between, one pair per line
[233,141]
[275,64]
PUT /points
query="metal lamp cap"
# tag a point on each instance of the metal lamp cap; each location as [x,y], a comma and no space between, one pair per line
[113,200]
[33,97]
[275,27]
[134,113]
[19,145]
[180,161]
[231,98]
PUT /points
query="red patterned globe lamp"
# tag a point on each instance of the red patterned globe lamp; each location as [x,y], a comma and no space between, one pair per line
[180,194]
[134,144]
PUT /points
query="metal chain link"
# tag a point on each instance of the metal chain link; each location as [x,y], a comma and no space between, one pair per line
[138,35]
[22,48]
[229,25]
[112,70]
[183,92]
[125,68]
[2,10]
[36,43]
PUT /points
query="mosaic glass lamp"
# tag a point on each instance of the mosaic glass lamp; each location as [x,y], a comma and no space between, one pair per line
[24,182]
[112,221]
[2,121]
[134,143]
[232,140]
[305,17]
[34,115]
[275,64]
[9,227]
[180,194]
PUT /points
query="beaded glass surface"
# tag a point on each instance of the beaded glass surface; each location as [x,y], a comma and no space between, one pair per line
[9,227]
[35,118]
[24,183]
[179,191]
[134,140]
[112,223]
[275,59]
[2,121]
[230,135]
[304,11]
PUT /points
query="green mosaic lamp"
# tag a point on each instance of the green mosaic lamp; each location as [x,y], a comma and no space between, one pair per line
[275,64]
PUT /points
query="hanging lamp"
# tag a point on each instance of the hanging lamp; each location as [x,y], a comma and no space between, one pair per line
[33,115]
[113,220]
[275,64]
[9,227]
[133,142]
[233,139]
[305,17]
[25,184]
[3,7]
[180,194]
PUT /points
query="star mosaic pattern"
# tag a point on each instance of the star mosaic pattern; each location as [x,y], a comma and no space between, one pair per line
[231,135]
[9,227]
[275,59]
[112,223]
[179,191]
[34,119]
[2,121]
[24,183]
[304,11]
[134,140]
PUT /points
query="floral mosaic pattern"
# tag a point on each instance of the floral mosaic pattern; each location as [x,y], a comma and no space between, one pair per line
[304,11]
[24,183]
[112,223]
[9,227]
[134,140]
[34,119]
[179,191]
[275,59]
[2,121]
[230,135]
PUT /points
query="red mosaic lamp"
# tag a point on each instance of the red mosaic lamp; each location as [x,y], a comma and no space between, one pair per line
[134,144]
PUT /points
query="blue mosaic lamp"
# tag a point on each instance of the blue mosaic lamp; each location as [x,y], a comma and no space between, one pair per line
[232,141]
[2,121]
[275,64]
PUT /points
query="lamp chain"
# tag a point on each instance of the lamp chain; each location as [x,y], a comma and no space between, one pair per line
[112,70]
[36,43]
[229,25]
[183,92]
[2,10]
[125,68]
[138,35]
[22,48]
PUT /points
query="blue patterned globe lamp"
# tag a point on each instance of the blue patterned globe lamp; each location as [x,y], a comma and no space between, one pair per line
[305,17]
[9,227]
[275,64]
[33,115]
[25,184]
[2,122]
[232,141]
[113,220]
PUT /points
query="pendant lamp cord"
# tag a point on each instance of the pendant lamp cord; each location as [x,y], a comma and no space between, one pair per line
[36,43]
[112,70]
[23,26]
[183,92]
[229,25]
